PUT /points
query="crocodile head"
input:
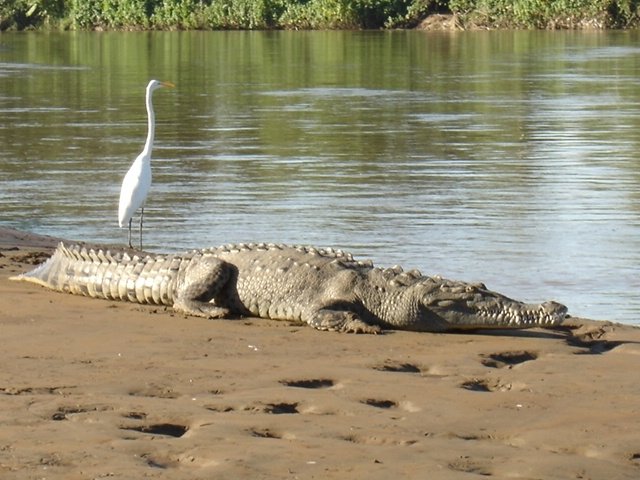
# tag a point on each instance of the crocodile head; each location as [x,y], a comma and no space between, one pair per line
[449,305]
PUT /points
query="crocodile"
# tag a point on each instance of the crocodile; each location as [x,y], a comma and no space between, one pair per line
[325,288]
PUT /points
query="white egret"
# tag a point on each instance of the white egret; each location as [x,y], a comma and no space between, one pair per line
[137,181]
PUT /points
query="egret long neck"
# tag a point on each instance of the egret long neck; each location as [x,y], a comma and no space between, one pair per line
[148,146]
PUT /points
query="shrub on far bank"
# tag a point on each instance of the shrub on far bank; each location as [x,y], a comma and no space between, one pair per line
[312,14]
[545,14]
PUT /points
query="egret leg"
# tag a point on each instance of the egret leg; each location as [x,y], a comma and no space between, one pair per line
[130,233]
[141,215]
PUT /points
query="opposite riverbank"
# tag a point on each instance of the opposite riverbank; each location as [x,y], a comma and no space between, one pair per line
[316,14]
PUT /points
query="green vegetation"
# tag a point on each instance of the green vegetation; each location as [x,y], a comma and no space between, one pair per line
[548,14]
[312,14]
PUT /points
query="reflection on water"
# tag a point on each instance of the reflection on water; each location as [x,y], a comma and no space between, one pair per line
[505,157]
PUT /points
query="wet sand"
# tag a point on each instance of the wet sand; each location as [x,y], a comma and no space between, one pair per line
[99,389]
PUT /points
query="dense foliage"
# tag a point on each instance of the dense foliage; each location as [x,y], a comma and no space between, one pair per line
[547,14]
[312,14]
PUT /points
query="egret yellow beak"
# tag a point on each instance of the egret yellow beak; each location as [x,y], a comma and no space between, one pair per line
[167,84]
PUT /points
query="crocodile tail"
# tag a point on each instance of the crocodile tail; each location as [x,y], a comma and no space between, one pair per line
[99,274]
[47,273]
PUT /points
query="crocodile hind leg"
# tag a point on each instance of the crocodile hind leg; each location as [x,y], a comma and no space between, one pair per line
[203,279]
[340,321]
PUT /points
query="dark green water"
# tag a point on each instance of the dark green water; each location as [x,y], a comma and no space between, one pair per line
[504,157]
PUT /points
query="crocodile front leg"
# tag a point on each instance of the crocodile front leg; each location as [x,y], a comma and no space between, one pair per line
[341,321]
[203,279]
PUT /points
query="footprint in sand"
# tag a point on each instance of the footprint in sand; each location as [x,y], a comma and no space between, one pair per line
[380,403]
[263,433]
[391,366]
[154,391]
[507,359]
[468,465]
[164,429]
[489,385]
[135,415]
[595,347]
[281,408]
[36,390]
[313,383]
[378,440]
[68,412]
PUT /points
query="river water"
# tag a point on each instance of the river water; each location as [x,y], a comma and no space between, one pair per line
[504,157]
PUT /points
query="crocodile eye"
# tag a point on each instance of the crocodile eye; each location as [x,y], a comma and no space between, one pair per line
[429,300]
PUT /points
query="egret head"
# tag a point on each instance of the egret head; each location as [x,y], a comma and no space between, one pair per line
[155,84]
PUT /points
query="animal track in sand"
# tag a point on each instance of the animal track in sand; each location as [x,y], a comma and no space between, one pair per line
[154,391]
[153,463]
[185,459]
[488,385]
[135,415]
[158,461]
[263,433]
[391,366]
[272,408]
[32,258]
[596,347]
[281,408]
[468,465]
[165,429]
[35,390]
[472,436]
[313,383]
[593,340]
[377,440]
[220,408]
[380,403]
[507,359]
[65,412]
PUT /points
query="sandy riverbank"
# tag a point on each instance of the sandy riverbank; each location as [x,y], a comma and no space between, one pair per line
[98,389]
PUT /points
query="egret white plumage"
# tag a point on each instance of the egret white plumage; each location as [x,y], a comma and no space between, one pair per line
[137,181]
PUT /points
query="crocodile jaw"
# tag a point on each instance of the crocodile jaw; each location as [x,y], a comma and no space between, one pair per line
[519,315]
[456,305]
